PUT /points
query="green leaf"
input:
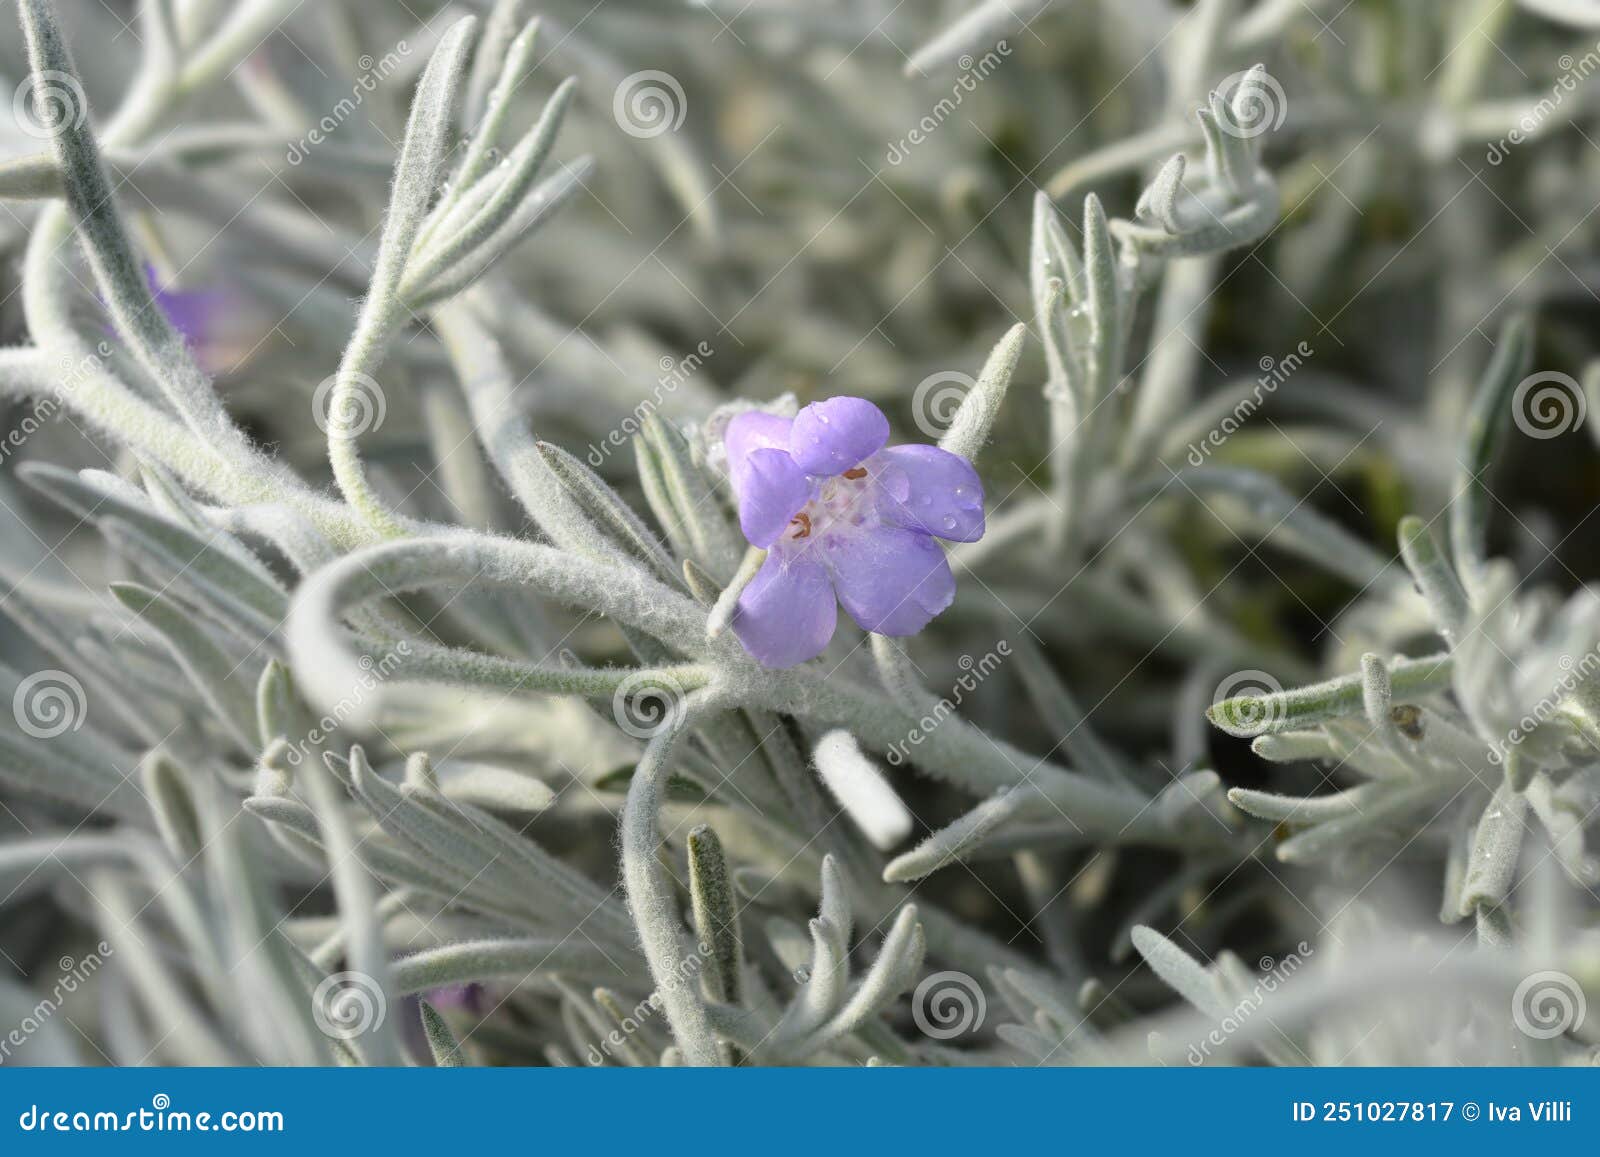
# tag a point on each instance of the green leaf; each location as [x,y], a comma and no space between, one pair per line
[442,1042]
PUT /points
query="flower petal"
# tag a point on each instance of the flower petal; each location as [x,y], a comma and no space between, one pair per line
[770,487]
[928,489]
[890,580]
[189,312]
[787,613]
[831,436]
[773,491]
[755,430]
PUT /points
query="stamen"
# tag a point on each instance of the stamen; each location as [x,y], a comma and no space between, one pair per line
[803,521]
[856,472]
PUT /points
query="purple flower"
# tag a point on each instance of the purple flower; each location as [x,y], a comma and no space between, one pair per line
[190,311]
[844,520]
[467,996]
[197,314]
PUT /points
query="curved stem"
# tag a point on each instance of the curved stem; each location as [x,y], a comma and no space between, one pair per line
[141,322]
[356,394]
[329,668]
[650,896]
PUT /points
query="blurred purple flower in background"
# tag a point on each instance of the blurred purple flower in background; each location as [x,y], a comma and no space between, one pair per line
[467,996]
[189,311]
[208,319]
[845,520]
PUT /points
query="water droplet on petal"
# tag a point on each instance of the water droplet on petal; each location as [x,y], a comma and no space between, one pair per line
[949,522]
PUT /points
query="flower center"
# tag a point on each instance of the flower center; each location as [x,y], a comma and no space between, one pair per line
[843,500]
